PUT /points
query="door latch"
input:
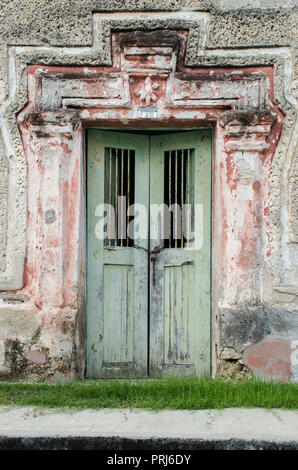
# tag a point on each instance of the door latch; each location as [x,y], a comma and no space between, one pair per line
[153,258]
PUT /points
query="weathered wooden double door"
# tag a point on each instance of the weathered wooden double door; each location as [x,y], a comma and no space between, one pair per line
[148,269]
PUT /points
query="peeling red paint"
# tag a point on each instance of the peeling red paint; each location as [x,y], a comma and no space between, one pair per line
[256,187]
[111,97]
[231,173]
[37,357]
[270,359]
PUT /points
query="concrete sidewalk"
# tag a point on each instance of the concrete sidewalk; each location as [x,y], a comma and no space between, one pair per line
[110,429]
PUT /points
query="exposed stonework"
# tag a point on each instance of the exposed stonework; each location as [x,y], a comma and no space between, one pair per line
[218,37]
[232,369]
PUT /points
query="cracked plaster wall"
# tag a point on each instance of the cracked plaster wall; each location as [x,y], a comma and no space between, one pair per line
[230,34]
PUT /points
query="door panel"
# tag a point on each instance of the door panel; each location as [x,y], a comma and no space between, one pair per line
[180,275]
[118,315]
[117,281]
[178,318]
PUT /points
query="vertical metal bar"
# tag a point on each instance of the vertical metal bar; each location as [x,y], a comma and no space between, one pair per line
[116,198]
[170,199]
[176,197]
[122,206]
[110,196]
[182,196]
[189,189]
[128,192]
[189,168]
[191,186]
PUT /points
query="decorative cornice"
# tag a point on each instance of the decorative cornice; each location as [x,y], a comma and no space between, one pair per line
[247,130]
[45,123]
[245,119]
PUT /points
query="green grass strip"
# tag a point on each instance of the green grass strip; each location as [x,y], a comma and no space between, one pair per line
[172,393]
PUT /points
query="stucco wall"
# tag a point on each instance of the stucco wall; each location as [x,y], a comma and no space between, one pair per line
[42,342]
